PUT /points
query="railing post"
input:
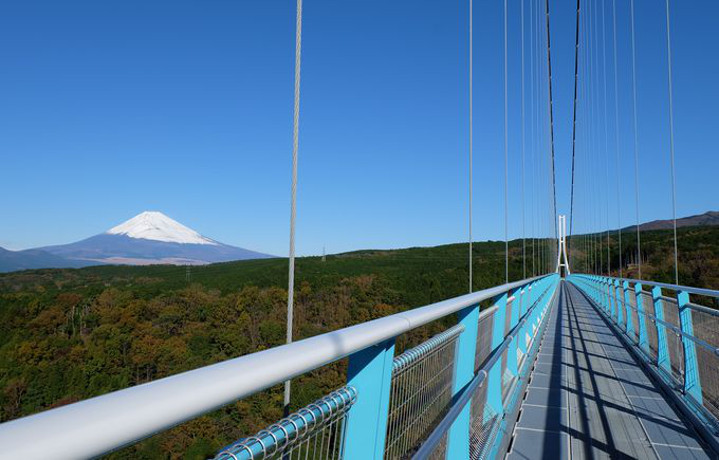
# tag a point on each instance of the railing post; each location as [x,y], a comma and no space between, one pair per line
[526,304]
[370,373]
[643,338]
[540,287]
[692,384]
[532,291]
[602,293]
[512,364]
[607,305]
[663,357]
[494,381]
[612,298]
[458,445]
[620,303]
[628,308]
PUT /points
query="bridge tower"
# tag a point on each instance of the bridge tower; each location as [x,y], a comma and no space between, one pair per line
[562,250]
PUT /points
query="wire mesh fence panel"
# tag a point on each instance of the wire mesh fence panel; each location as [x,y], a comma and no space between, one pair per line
[421,392]
[484,425]
[706,328]
[708,367]
[440,451]
[315,432]
[674,341]
[652,338]
[485,329]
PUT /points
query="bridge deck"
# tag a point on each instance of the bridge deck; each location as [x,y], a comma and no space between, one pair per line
[589,398]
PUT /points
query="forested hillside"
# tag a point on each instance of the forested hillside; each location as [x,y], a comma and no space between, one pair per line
[66,335]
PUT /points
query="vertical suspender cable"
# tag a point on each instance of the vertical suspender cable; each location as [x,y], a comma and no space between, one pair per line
[616,133]
[470,145]
[588,140]
[671,146]
[551,119]
[532,71]
[545,184]
[574,125]
[597,117]
[606,134]
[524,244]
[293,206]
[540,142]
[506,155]
[636,140]
[587,83]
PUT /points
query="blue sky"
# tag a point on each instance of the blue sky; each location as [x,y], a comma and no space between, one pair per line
[111,108]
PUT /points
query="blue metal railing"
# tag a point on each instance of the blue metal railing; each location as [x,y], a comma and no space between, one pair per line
[677,339]
[102,424]
[488,394]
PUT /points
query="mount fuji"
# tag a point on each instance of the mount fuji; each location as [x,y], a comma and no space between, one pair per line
[148,238]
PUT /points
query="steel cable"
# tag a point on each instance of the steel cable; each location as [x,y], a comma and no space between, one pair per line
[293,211]
[616,129]
[470,144]
[506,155]
[671,146]
[636,140]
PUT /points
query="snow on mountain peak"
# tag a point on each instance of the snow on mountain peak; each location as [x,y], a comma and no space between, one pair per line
[153,225]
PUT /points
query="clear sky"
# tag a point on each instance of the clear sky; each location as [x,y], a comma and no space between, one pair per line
[111,108]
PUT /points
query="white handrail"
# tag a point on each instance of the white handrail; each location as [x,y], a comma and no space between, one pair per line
[96,426]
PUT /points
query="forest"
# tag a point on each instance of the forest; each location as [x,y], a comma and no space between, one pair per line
[67,335]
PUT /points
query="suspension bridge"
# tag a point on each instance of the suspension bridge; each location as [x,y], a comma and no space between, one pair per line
[576,360]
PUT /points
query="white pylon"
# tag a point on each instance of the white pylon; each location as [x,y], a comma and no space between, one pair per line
[562,250]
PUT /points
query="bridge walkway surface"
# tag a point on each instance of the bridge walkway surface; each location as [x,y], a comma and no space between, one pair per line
[589,397]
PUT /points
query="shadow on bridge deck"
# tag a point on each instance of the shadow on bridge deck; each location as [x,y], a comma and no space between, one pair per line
[589,398]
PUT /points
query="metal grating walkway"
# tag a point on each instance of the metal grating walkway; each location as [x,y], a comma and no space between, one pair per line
[589,398]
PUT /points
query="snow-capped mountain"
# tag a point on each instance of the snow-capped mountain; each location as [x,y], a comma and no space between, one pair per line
[153,225]
[149,238]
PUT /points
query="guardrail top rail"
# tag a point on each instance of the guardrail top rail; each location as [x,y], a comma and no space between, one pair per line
[104,423]
[673,287]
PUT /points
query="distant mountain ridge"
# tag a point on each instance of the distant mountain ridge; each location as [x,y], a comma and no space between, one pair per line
[153,238]
[148,238]
[708,218]
[35,258]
